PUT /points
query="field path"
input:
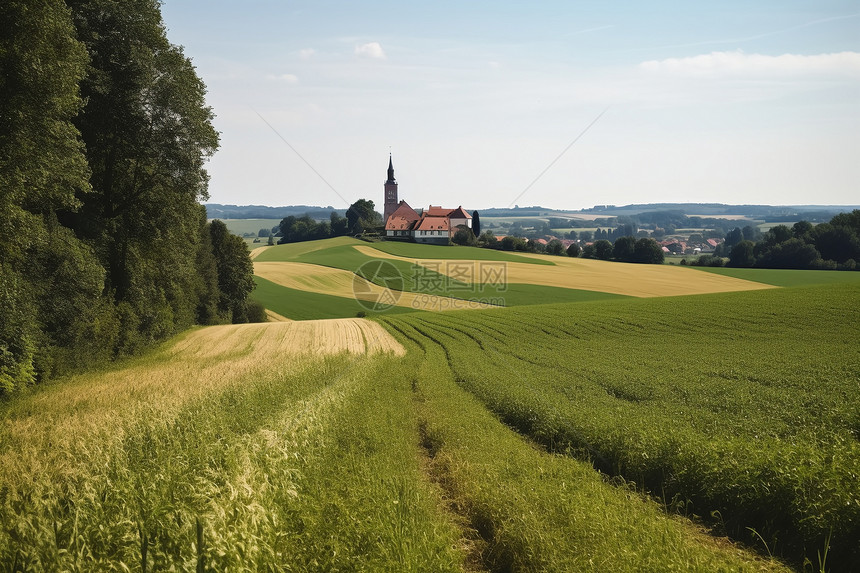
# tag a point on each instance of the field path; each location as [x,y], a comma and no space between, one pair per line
[338,282]
[602,276]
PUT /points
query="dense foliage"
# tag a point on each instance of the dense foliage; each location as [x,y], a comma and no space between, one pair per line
[104,132]
[359,217]
[833,245]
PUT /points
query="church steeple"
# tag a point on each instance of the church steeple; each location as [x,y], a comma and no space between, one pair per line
[390,191]
[391,178]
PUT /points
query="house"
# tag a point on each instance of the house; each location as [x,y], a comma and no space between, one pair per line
[436,225]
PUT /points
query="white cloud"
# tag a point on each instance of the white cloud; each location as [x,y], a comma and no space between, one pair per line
[495,65]
[737,64]
[370,50]
[306,53]
[286,78]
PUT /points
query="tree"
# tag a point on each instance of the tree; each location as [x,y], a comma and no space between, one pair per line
[573,250]
[734,237]
[361,215]
[648,251]
[751,233]
[489,240]
[42,169]
[790,254]
[235,272]
[603,249]
[742,254]
[554,247]
[585,236]
[777,234]
[476,224]
[463,236]
[148,134]
[624,248]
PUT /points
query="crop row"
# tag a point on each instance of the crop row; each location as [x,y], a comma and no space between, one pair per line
[743,408]
[312,465]
[530,510]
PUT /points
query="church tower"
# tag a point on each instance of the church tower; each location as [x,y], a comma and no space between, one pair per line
[390,192]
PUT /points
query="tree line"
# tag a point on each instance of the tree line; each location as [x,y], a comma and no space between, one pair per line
[104,246]
[834,245]
[360,217]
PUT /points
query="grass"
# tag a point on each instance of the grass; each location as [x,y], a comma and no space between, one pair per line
[760,427]
[280,465]
[303,305]
[226,450]
[419,251]
[786,277]
[242,226]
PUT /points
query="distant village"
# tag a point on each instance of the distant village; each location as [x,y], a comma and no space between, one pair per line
[438,225]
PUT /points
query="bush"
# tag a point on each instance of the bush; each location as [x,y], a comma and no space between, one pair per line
[574,250]
[256,312]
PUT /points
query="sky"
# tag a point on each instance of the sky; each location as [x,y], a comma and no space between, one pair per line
[560,104]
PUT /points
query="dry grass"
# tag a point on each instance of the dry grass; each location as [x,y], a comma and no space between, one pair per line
[275,317]
[603,276]
[256,252]
[66,420]
[338,282]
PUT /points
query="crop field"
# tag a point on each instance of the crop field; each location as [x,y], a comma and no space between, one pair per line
[312,446]
[602,276]
[785,277]
[437,278]
[757,432]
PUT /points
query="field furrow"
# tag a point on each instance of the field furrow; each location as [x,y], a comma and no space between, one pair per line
[758,432]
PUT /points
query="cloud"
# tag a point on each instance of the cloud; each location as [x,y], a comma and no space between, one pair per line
[370,50]
[286,78]
[737,64]
[306,53]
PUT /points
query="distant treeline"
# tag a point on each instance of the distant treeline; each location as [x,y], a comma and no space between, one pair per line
[218,211]
[828,246]
[359,218]
[104,247]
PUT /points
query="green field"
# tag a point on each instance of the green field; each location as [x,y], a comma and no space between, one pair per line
[303,305]
[787,278]
[714,432]
[238,456]
[339,253]
[741,408]
[242,226]
[454,253]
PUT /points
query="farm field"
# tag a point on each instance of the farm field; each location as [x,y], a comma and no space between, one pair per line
[758,432]
[785,277]
[602,276]
[314,446]
[466,278]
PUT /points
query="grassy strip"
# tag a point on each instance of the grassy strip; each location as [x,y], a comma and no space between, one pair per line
[785,277]
[534,511]
[303,305]
[315,468]
[453,253]
[761,431]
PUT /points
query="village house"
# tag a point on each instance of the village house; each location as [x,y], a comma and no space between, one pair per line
[436,225]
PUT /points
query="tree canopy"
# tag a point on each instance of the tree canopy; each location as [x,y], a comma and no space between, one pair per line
[104,135]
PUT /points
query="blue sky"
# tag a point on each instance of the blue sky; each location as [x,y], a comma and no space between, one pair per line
[732,102]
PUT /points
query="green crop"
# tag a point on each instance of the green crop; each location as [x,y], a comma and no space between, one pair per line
[743,406]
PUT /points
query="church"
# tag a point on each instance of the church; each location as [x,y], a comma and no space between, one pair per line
[436,225]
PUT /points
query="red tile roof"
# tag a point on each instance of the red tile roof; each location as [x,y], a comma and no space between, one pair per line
[402,218]
[430,222]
